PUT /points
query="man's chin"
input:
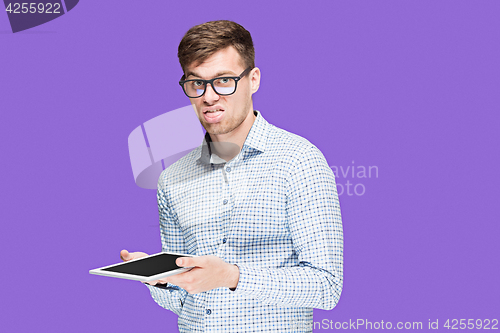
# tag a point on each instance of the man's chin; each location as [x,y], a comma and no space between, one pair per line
[214,129]
[217,131]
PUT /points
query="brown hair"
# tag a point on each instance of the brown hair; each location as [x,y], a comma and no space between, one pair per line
[203,40]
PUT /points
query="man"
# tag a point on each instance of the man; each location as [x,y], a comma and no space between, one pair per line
[257,204]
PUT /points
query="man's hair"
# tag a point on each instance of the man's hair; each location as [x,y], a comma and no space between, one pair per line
[202,41]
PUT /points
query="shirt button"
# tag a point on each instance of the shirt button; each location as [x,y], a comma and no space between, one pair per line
[209,311]
[224,241]
[228,169]
[225,201]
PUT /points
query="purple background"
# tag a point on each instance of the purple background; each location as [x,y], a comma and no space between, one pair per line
[411,87]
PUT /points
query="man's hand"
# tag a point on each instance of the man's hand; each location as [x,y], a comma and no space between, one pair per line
[209,272]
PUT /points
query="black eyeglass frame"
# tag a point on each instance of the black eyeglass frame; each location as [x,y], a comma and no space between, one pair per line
[211,82]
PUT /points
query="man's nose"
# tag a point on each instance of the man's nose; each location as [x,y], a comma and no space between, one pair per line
[210,95]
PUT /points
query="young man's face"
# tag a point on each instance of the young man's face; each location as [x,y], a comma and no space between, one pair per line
[230,111]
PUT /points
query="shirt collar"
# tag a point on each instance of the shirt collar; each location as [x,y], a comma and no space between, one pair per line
[256,140]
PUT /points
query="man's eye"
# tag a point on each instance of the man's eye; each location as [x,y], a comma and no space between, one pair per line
[224,80]
[197,83]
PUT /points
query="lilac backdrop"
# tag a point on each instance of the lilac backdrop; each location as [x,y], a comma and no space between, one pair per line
[409,87]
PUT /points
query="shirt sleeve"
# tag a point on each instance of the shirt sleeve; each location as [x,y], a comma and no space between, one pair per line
[315,226]
[172,241]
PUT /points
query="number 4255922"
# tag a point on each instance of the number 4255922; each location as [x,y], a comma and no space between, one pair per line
[34,7]
[471,324]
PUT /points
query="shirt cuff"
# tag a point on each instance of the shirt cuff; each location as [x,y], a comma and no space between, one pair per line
[251,281]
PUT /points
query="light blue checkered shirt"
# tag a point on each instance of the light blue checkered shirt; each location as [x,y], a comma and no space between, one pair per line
[273,210]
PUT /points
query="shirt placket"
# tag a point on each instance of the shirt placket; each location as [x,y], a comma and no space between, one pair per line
[227,206]
[211,307]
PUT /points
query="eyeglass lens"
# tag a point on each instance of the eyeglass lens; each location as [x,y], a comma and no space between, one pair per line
[222,86]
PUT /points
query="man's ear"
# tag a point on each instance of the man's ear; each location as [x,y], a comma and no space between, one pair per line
[255,79]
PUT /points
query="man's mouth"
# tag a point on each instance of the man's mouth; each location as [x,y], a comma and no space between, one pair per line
[212,111]
[213,116]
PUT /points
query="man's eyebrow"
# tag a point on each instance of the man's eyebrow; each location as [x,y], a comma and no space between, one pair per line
[219,74]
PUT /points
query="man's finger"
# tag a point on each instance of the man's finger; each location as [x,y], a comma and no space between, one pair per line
[124,255]
[127,256]
[154,282]
[188,262]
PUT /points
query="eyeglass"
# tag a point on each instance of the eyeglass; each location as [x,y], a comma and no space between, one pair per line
[223,86]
